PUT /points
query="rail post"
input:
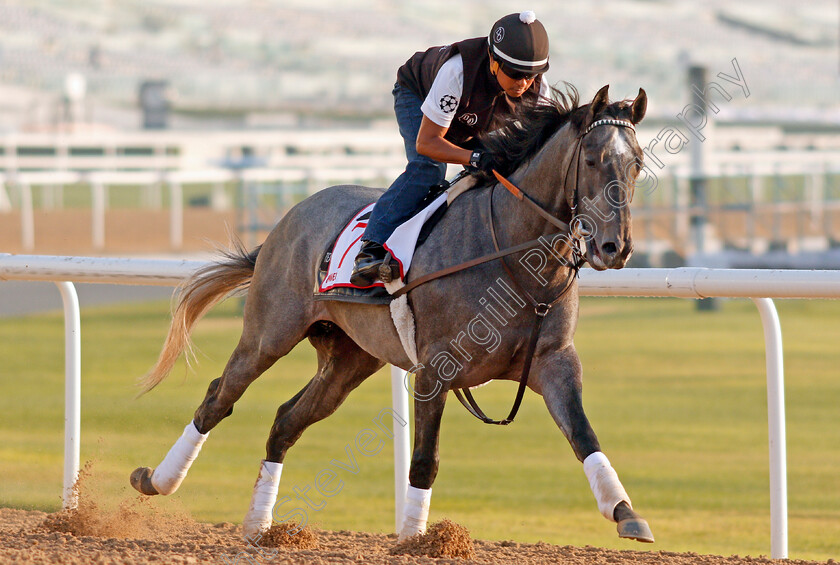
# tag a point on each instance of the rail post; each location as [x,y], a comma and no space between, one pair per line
[775,427]
[72,391]
[402,443]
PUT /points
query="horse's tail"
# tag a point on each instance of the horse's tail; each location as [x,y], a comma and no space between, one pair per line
[197,295]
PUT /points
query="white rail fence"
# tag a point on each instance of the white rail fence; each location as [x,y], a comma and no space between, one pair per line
[99,183]
[688,282]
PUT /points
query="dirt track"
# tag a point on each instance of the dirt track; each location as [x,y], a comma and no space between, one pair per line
[32,538]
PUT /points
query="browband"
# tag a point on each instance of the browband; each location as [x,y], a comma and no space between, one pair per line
[608,122]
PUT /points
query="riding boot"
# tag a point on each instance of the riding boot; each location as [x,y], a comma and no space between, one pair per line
[367,263]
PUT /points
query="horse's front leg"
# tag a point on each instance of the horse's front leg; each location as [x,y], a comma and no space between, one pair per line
[559,381]
[429,399]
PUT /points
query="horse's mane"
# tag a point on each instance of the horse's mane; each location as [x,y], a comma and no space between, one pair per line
[531,127]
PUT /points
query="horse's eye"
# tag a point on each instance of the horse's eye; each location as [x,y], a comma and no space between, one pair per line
[590,162]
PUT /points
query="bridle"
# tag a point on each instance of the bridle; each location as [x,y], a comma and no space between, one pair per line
[579,150]
[572,230]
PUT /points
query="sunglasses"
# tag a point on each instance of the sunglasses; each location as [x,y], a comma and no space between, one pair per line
[518,75]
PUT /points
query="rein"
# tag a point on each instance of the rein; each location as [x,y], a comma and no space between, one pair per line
[499,254]
[541,309]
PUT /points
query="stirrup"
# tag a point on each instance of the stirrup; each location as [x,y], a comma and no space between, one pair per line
[389,270]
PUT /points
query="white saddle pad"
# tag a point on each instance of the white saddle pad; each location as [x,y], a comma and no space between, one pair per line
[401,244]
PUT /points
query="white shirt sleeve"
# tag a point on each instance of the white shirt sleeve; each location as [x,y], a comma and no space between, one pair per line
[445,93]
[545,92]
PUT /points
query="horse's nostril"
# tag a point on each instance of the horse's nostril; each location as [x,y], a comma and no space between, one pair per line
[609,248]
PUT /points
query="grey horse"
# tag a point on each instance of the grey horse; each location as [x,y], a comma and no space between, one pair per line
[575,163]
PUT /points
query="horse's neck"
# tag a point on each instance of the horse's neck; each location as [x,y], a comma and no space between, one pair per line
[542,178]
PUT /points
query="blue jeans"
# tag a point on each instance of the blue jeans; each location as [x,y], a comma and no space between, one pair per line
[401,199]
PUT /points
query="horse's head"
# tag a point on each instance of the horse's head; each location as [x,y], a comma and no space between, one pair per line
[602,176]
[578,163]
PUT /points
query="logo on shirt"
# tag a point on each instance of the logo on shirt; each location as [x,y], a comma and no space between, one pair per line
[448,104]
[469,119]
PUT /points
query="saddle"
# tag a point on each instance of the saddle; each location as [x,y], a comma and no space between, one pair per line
[336,265]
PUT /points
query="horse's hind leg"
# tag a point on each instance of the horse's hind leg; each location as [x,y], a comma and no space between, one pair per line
[261,344]
[342,366]
[560,381]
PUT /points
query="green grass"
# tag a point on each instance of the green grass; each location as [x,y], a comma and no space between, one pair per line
[677,397]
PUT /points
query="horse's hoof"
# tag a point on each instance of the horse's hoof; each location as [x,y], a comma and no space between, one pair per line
[635,528]
[141,479]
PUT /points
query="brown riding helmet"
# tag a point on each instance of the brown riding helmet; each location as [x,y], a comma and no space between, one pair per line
[519,42]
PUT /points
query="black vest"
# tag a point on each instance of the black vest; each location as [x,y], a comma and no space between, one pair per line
[483,106]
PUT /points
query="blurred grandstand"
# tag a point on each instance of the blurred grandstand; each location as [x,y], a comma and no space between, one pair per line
[263,62]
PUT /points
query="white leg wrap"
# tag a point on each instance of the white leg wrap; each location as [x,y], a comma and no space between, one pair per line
[415,512]
[259,514]
[167,476]
[604,483]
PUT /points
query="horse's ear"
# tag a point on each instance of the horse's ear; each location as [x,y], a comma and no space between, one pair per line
[598,103]
[639,107]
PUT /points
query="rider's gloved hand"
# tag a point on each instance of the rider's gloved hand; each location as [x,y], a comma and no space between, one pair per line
[482,161]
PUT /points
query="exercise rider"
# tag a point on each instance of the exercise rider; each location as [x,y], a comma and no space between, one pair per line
[444,99]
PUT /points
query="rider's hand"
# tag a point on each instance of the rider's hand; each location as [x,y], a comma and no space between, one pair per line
[483,161]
